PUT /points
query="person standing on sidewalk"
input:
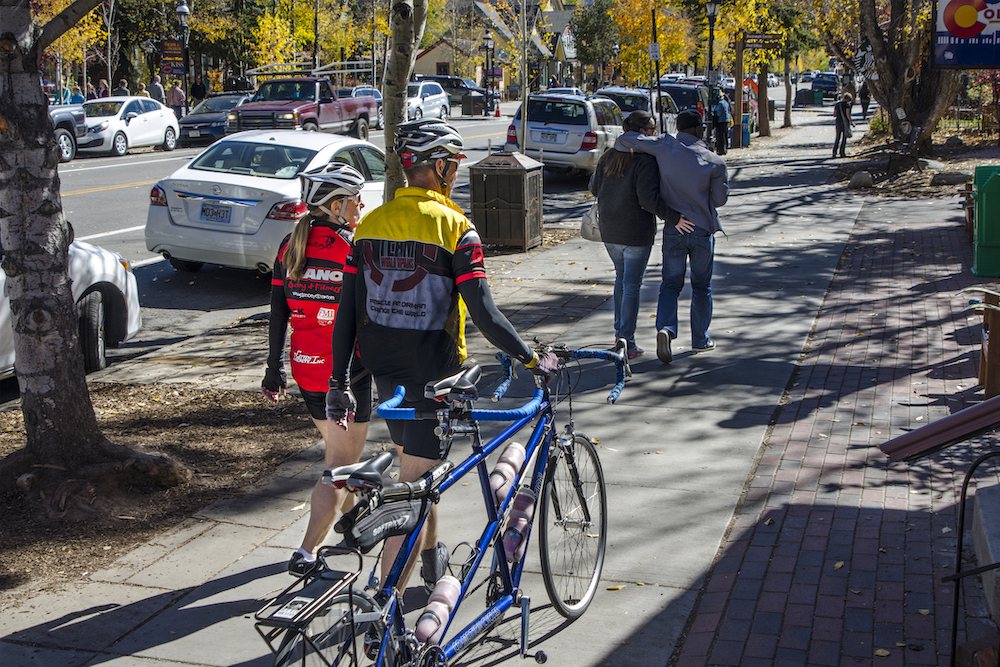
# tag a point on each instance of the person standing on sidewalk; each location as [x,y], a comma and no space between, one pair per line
[306,290]
[156,89]
[722,114]
[628,202]
[416,269]
[865,96]
[175,99]
[842,117]
[694,182]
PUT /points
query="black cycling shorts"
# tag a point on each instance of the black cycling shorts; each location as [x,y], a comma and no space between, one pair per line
[417,438]
[361,387]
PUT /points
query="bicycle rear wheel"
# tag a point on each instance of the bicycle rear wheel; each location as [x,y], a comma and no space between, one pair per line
[573,525]
[331,639]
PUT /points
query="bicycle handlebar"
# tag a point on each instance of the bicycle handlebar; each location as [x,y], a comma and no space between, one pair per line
[391,410]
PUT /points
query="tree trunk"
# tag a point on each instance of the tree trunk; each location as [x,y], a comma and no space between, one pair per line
[913,93]
[60,426]
[408,20]
[787,120]
[763,117]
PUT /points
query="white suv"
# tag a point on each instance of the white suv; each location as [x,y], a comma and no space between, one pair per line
[426,99]
[567,132]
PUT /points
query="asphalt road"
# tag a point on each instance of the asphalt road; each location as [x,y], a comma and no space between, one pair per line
[106,199]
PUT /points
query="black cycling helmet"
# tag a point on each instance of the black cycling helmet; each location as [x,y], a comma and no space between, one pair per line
[427,140]
[332,180]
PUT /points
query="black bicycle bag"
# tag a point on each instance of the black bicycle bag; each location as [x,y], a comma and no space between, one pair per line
[397,518]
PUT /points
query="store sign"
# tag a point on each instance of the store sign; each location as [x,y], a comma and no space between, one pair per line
[172,61]
[968,34]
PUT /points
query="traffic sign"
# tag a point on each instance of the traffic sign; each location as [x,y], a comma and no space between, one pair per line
[762,41]
[654,51]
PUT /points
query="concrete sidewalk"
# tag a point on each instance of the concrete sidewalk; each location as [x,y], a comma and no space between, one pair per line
[746,491]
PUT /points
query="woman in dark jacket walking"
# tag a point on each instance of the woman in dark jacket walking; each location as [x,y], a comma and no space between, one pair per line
[842,115]
[627,187]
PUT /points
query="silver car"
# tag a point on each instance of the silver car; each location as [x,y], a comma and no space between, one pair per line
[567,132]
[116,124]
[426,99]
[638,99]
[107,299]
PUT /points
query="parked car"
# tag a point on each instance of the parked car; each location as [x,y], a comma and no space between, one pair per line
[367,91]
[567,132]
[207,121]
[70,123]
[116,124]
[772,81]
[457,87]
[303,103]
[425,99]
[571,90]
[638,99]
[234,203]
[828,83]
[688,96]
[107,298]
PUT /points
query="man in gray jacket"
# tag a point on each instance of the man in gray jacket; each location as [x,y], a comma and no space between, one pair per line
[694,182]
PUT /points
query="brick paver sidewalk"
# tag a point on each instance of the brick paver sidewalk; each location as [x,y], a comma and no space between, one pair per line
[835,555]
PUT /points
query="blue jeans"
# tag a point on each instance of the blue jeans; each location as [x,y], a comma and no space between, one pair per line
[698,247]
[630,266]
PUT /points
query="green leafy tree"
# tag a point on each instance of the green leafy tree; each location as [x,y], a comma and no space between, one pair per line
[595,33]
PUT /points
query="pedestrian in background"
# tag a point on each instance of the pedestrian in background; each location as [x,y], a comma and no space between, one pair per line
[865,96]
[198,91]
[843,122]
[694,182]
[141,92]
[156,89]
[77,97]
[91,93]
[175,99]
[122,89]
[722,115]
[627,187]
[305,293]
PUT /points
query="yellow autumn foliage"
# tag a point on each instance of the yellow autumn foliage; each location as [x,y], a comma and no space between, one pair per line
[674,31]
[87,33]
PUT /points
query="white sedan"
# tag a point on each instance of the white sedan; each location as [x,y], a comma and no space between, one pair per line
[116,124]
[234,203]
[107,299]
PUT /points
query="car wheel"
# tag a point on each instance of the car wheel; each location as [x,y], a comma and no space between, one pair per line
[92,342]
[444,113]
[185,266]
[119,145]
[169,139]
[66,144]
[310,127]
[381,119]
[418,113]
[361,129]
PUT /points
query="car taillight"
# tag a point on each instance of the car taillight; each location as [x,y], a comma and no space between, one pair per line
[589,141]
[289,210]
[157,197]
[512,134]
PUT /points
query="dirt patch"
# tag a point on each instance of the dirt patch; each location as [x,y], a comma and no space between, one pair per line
[229,439]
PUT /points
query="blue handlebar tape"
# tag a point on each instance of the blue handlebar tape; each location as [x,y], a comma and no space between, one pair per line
[389,409]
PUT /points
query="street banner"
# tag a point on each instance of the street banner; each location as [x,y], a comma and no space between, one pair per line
[967,34]
[172,61]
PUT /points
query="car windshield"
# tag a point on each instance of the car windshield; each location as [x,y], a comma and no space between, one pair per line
[101,109]
[563,112]
[828,78]
[685,97]
[413,90]
[628,103]
[267,160]
[216,105]
[285,90]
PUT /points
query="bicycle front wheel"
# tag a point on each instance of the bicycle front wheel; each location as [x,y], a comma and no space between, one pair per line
[573,525]
[330,640]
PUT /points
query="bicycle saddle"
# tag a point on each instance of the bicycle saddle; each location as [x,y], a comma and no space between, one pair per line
[459,387]
[362,475]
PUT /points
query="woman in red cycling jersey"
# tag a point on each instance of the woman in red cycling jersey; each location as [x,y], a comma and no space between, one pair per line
[305,290]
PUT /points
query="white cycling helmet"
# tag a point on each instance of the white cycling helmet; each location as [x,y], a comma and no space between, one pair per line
[336,179]
[426,140]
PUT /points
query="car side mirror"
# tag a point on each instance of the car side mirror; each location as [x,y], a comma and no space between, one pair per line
[424,96]
[130,115]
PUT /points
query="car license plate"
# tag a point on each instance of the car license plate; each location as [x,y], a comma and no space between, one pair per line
[215,213]
[549,137]
[194,134]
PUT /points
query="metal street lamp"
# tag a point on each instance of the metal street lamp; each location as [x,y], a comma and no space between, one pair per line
[712,10]
[183,14]
[489,45]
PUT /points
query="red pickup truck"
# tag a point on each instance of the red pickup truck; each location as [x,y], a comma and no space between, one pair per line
[303,103]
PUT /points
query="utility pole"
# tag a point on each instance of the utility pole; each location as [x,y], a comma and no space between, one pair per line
[654,55]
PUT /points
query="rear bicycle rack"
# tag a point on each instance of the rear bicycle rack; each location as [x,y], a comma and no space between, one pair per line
[304,599]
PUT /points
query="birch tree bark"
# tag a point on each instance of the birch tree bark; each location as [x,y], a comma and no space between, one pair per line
[408,18]
[66,460]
